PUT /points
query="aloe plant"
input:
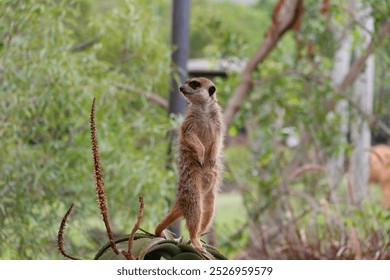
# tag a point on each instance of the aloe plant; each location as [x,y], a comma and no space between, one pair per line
[149,247]
[135,246]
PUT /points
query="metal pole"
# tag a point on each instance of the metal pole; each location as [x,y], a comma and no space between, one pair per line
[180,44]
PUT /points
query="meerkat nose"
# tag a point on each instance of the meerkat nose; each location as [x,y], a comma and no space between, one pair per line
[181,88]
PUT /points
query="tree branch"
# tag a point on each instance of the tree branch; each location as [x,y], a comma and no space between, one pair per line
[307,168]
[354,19]
[286,15]
[154,97]
[359,63]
[322,80]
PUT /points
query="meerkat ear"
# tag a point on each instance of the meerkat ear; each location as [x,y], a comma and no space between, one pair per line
[211,90]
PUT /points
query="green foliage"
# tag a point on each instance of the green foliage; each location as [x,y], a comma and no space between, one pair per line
[47,86]
[293,89]
[223,29]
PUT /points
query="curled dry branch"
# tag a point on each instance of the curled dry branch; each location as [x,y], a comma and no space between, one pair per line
[60,236]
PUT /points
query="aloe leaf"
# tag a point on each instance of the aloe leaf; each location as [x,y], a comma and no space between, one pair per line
[189,249]
[153,242]
[167,250]
[213,251]
[122,243]
[187,256]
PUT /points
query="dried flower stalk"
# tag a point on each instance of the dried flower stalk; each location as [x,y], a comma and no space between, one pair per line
[101,195]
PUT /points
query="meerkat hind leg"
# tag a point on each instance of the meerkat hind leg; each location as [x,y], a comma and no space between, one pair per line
[208,211]
[193,216]
[195,237]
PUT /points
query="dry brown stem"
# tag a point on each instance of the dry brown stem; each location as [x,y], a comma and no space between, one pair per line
[136,226]
[60,236]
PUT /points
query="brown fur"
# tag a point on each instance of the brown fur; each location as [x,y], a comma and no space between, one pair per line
[200,145]
[380,170]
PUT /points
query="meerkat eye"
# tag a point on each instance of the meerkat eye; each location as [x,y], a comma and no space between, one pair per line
[194,84]
[211,90]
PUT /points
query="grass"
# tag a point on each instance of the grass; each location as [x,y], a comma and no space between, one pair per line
[230,209]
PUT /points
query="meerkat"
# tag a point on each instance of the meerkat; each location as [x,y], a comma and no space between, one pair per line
[200,144]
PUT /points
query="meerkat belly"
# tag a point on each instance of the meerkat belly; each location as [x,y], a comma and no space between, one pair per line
[207,135]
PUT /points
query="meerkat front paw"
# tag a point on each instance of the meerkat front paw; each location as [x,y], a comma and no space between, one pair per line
[200,160]
[212,163]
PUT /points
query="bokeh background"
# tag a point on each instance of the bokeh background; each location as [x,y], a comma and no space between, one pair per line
[294,187]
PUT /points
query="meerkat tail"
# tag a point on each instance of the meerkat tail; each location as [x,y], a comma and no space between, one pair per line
[172,216]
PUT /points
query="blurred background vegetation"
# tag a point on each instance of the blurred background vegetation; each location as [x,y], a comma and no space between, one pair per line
[55,56]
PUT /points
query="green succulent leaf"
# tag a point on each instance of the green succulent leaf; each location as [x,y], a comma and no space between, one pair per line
[187,256]
[188,249]
[171,249]
[153,243]
[213,251]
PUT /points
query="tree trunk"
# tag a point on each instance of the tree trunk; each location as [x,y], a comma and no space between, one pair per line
[335,165]
[363,94]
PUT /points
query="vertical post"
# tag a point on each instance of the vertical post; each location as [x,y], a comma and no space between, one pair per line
[180,45]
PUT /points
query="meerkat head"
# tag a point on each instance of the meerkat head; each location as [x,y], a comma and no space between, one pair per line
[199,90]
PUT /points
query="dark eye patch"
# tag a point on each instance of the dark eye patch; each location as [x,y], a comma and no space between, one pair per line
[194,84]
[211,90]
